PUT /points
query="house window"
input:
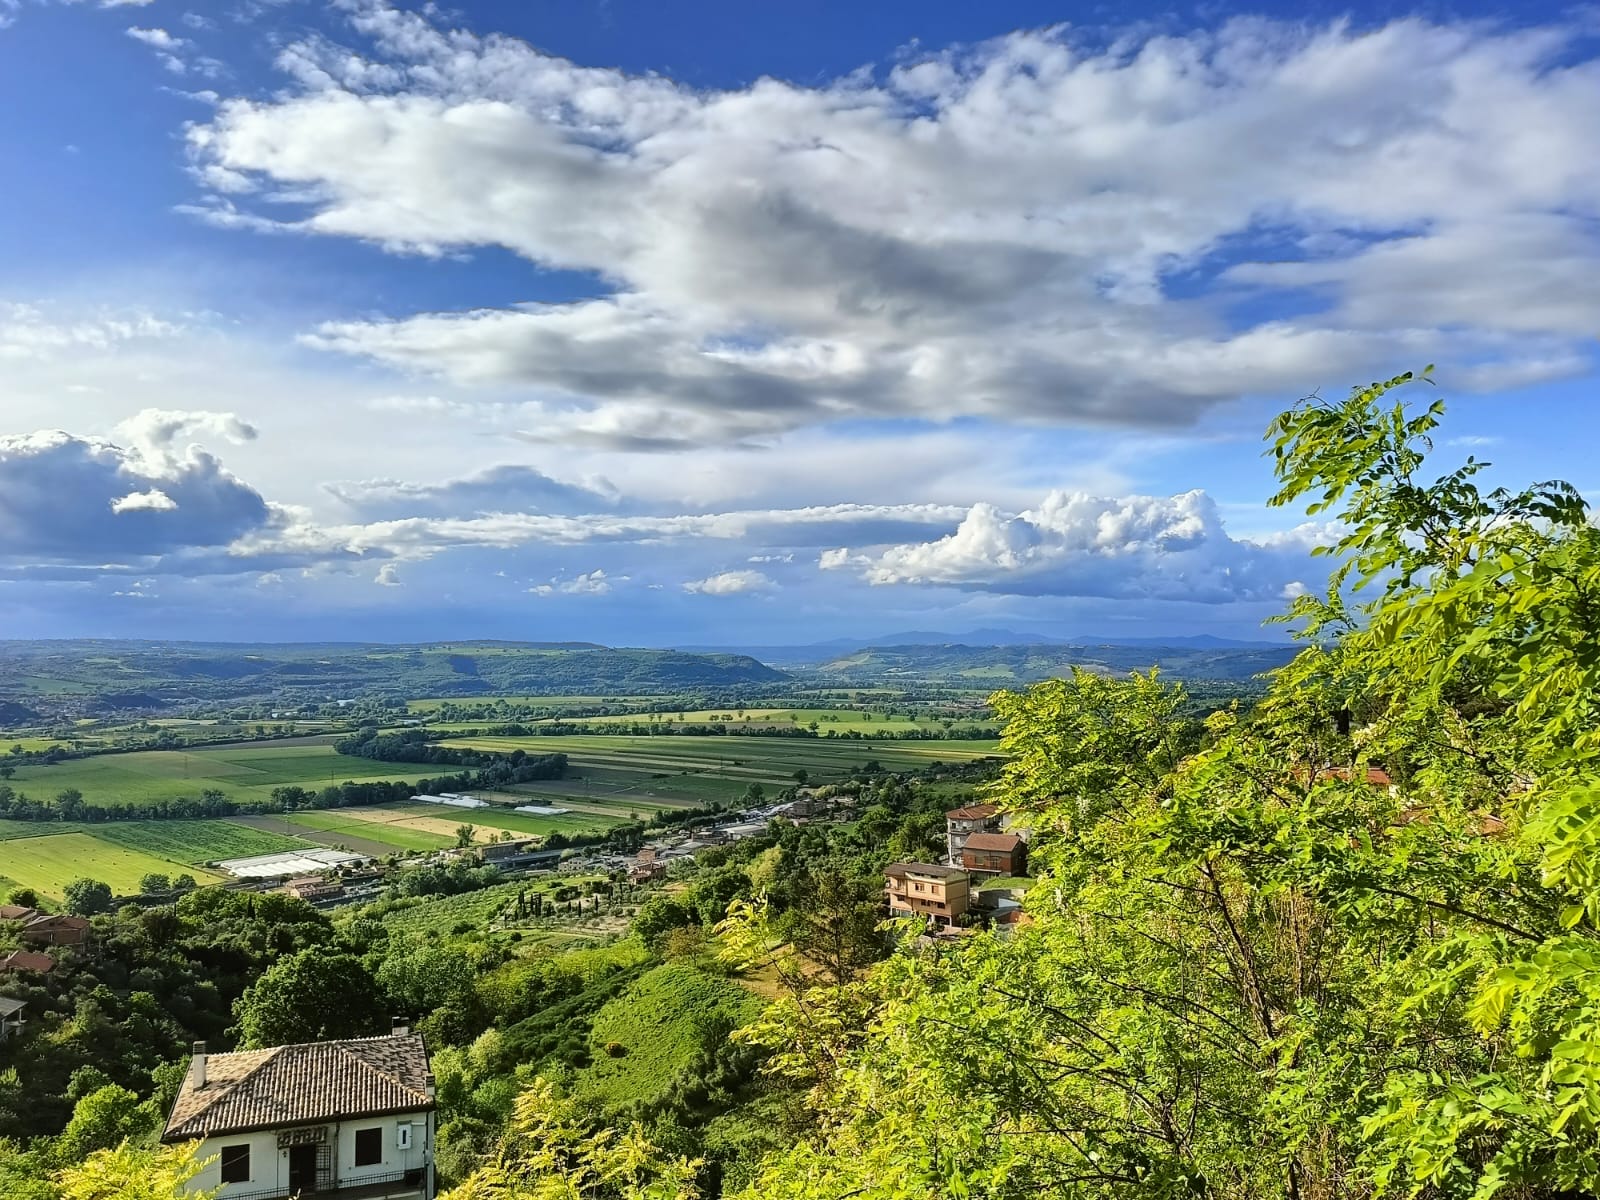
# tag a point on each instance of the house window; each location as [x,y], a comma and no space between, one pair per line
[235,1163]
[369,1147]
[917,886]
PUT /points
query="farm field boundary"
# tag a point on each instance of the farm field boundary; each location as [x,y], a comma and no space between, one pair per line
[49,863]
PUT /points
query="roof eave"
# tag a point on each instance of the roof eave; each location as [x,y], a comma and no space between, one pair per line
[170,1135]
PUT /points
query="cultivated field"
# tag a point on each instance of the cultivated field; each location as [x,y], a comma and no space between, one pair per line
[193,841]
[380,825]
[765,760]
[51,862]
[443,913]
[837,720]
[488,820]
[243,771]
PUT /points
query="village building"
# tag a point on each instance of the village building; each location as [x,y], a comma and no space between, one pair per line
[314,887]
[994,854]
[496,853]
[54,929]
[27,960]
[961,823]
[11,1021]
[350,1119]
[933,890]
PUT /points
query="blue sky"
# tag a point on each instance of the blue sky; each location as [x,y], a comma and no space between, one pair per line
[753,324]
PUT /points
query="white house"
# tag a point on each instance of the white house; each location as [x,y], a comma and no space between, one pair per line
[353,1120]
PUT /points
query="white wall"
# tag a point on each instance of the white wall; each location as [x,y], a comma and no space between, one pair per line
[394,1158]
[269,1166]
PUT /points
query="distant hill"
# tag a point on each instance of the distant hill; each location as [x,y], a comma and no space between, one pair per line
[107,673]
[982,665]
[836,648]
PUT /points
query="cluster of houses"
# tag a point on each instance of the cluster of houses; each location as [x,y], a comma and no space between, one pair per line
[981,856]
[36,929]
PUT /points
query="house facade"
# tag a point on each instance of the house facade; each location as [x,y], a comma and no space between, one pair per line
[313,887]
[11,1018]
[930,890]
[46,929]
[351,1120]
[961,823]
[995,854]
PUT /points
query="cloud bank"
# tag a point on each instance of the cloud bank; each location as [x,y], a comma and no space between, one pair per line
[1038,228]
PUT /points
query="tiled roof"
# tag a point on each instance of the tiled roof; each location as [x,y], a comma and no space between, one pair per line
[57,921]
[972,812]
[1003,842]
[301,1085]
[16,912]
[27,960]
[937,870]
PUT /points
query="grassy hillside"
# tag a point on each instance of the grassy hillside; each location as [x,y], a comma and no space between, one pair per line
[131,674]
[645,1036]
[1001,666]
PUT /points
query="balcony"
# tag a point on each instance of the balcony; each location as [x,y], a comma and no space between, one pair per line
[399,1185]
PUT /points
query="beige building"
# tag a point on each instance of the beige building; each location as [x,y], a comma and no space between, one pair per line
[929,890]
[351,1120]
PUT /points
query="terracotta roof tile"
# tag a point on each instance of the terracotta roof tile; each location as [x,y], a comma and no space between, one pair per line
[935,870]
[972,812]
[993,841]
[28,960]
[296,1085]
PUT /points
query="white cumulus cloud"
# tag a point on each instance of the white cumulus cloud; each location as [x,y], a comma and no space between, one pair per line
[1038,227]
[729,583]
[153,499]
[593,583]
[1073,544]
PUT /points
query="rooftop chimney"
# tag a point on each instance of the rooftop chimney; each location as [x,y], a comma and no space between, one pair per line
[400,1027]
[199,1067]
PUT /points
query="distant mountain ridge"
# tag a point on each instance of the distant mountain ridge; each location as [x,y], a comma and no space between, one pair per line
[1000,665]
[177,672]
[821,652]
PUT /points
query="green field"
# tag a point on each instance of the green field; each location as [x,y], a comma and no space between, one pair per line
[194,841]
[659,1023]
[717,767]
[837,720]
[243,771]
[498,818]
[25,829]
[51,862]
[385,832]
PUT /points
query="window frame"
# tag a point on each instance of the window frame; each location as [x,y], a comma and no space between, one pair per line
[377,1146]
[239,1152]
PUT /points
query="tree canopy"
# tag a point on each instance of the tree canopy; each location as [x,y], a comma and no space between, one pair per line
[1346,943]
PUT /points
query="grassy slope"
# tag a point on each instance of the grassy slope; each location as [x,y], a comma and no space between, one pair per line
[50,863]
[660,1021]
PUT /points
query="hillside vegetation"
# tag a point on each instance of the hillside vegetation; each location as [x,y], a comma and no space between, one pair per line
[979,665]
[129,674]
